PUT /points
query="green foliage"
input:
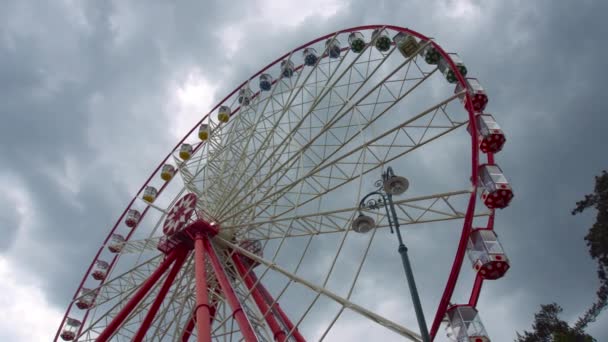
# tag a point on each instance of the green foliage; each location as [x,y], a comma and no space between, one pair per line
[547,326]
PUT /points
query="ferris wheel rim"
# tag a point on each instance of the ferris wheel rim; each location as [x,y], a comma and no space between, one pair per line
[475,158]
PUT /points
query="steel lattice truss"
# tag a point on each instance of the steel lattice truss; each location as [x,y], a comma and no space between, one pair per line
[287,170]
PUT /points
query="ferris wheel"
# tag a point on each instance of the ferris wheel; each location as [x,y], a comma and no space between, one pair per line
[261,221]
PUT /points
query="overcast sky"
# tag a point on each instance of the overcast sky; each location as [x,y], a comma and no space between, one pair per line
[92,96]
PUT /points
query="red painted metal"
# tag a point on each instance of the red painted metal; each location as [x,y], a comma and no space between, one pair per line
[137,297]
[456,266]
[237,310]
[192,321]
[476,290]
[202,310]
[269,299]
[162,293]
[188,330]
[277,332]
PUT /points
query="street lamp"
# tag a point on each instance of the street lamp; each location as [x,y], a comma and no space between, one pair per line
[390,185]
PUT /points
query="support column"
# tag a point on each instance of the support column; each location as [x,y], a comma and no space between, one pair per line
[202,312]
[192,321]
[162,293]
[277,332]
[137,297]
[237,310]
[295,333]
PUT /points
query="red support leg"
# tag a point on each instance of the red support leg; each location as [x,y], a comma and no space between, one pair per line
[295,333]
[139,295]
[162,293]
[277,332]
[476,290]
[237,310]
[202,310]
[190,326]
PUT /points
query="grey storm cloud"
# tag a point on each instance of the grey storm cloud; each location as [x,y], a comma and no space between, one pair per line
[83,93]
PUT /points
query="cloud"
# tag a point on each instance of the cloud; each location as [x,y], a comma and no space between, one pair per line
[93,95]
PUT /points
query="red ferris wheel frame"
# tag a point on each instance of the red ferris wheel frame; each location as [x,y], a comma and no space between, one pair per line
[468,219]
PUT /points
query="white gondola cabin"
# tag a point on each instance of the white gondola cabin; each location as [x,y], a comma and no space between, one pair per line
[479,98]
[333,47]
[185,151]
[203,132]
[310,56]
[356,41]
[464,324]
[490,135]
[101,270]
[445,69]
[430,54]
[116,243]
[70,328]
[287,68]
[167,172]
[253,246]
[132,218]
[245,95]
[265,82]
[382,42]
[223,114]
[150,194]
[486,254]
[497,192]
[406,44]
[86,298]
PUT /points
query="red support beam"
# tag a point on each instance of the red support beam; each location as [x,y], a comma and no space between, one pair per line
[202,312]
[295,333]
[162,293]
[237,310]
[137,297]
[192,321]
[277,332]
[476,290]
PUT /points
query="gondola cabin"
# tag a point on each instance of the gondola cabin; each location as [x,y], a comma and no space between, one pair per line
[265,82]
[310,56]
[101,270]
[223,114]
[447,71]
[150,194]
[490,135]
[356,41]
[86,298]
[245,95]
[132,218]
[430,54]
[333,48]
[478,95]
[116,243]
[464,324]
[382,42]
[70,328]
[185,151]
[406,44]
[497,192]
[287,68]
[203,132]
[167,172]
[486,254]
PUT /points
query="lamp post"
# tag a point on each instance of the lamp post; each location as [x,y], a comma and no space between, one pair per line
[390,185]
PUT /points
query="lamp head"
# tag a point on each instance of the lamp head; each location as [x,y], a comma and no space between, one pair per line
[363,224]
[396,185]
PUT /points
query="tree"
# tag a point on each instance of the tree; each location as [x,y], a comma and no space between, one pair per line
[547,325]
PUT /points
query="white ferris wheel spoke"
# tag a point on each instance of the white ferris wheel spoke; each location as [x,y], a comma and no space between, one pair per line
[320,290]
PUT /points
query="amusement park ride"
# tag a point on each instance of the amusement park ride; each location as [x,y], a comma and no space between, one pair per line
[269,165]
